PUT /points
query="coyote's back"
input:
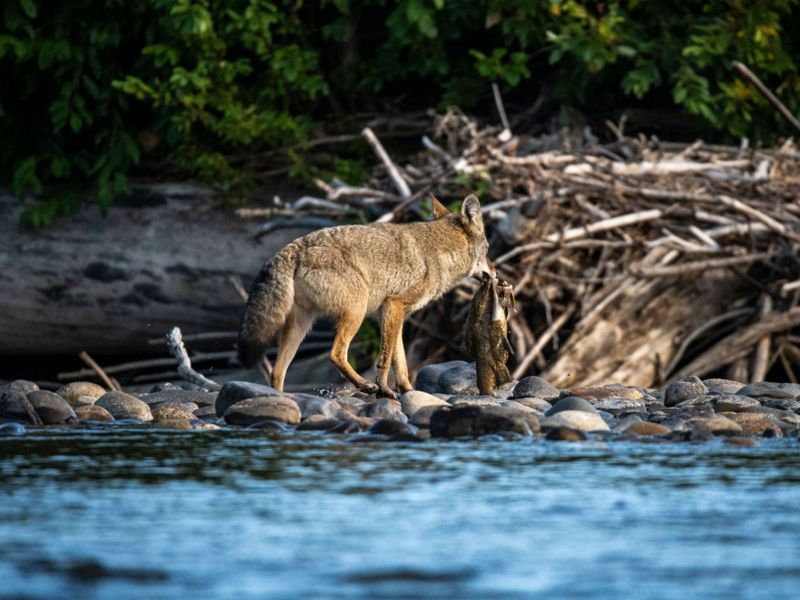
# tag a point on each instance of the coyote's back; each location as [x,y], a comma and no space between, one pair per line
[352,271]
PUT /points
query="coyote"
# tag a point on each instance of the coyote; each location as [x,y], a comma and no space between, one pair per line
[351,271]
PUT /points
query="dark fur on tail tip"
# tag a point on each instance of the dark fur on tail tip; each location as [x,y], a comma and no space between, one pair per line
[268,304]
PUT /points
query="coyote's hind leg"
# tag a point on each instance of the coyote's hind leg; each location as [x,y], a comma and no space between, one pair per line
[294,330]
[347,326]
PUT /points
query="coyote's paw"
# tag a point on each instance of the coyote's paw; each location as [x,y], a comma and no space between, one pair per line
[369,388]
[385,392]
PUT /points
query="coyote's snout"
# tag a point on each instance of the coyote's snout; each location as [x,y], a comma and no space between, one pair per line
[352,271]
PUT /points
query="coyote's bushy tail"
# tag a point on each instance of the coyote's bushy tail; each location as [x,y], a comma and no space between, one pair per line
[268,306]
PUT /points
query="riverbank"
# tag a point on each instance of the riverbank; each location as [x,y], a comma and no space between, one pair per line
[446,404]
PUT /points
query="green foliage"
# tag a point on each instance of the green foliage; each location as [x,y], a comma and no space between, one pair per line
[92,88]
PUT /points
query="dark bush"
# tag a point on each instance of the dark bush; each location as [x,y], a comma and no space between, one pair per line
[88,88]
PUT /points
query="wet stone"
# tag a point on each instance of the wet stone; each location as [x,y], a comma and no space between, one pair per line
[236,391]
[679,391]
[81,393]
[353,404]
[51,408]
[768,389]
[735,403]
[428,376]
[535,387]
[565,434]
[16,407]
[756,423]
[475,421]
[390,427]
[383,408]
[19,386]
[571,403]
[253,410]
[422,417]
[124,406]
[723,386]
[619,405]
[412,401]
[537,404]
[718,425]
[597,393]
[647,428]
[459,380]
[178,395]
[168,411]
[206,412]
[90,412]
[782,404]
[316,405]
[575,419]
[737,440]
[269,425]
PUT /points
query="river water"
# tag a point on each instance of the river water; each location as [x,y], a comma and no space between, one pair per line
[124,512]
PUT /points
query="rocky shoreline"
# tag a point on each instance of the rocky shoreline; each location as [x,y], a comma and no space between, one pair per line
[445,404]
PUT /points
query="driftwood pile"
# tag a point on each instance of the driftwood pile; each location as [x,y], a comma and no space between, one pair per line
[635,261]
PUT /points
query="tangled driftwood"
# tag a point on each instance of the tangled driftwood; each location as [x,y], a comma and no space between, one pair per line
[635,260]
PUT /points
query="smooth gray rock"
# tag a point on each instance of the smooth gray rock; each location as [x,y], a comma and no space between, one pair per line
[77,392]
[475,421]
[735,403]
[698,401]
[575,419]
[678,391]
[422,417]
[51,408]
[616,406]
[178,395]
[16,407]
[723,386]
[124,406]
[476,400]
[382,408]
[537,404]
[565,434]
[571,403]
[90,412]
[262,408]
[768,389]
[171,411]
[459,380]
[311,404]
[390,427]
[535,387]
[412,401]
[352,404]
[19,386]
[428,376]
[782,404]
[236,391]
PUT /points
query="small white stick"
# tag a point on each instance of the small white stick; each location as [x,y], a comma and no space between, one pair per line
[394,173]
[703,237]
[185,370]
[604,225]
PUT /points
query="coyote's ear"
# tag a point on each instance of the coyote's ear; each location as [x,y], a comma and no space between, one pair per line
[439,209]
[471,209]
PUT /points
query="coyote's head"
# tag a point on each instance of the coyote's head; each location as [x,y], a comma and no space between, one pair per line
[471,219]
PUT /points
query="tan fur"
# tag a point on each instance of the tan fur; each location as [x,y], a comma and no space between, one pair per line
[352,271]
